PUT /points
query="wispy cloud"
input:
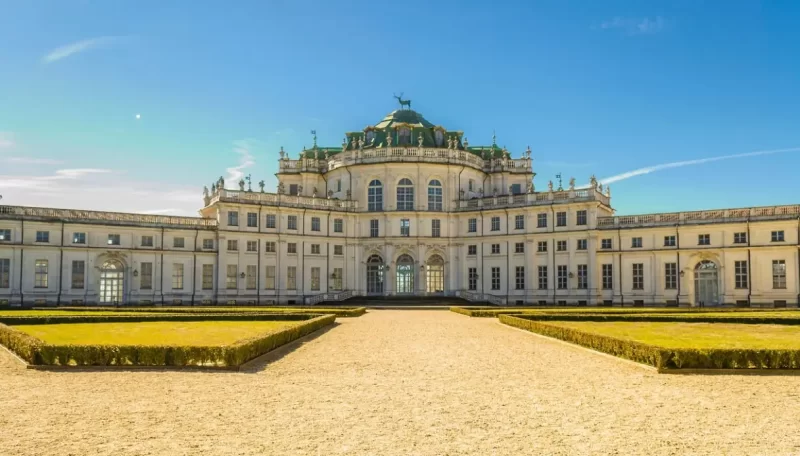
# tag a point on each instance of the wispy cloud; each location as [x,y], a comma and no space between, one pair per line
[33,161]
[699,161]
[244,149]
[635,26]
[6,140]
[65,51]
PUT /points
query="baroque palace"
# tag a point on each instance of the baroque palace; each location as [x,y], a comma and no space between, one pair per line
[402,208]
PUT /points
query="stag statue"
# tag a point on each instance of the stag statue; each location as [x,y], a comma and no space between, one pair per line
[403,102]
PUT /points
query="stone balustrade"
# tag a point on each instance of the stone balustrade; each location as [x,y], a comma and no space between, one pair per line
[406,154]
[111,218]
[277,199]
[700,217]
[533,199]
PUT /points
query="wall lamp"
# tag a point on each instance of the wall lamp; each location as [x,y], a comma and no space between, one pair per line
[135,273]
[242,275]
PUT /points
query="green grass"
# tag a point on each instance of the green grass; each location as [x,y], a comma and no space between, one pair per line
[36,313]
[695,335]
[205,333]
[489,312]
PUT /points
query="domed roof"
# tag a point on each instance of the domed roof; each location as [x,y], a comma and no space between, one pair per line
[405,116]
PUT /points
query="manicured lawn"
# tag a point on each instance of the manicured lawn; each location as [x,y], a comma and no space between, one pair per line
[37,313]
[695,335]
[194,333]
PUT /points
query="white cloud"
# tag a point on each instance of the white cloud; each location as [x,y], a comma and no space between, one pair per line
[244,149]
[33,161]
[65,51]
[6,140]
[635,26]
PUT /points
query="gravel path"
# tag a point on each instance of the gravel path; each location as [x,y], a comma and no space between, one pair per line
[401,383]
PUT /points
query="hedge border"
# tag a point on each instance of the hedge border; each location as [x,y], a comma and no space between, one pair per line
[37,353]
[663,359]
[668,318]
[486,312]
[344,312]
[58,319]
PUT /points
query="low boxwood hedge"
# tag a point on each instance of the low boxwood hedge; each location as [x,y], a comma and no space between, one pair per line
[732,318]
[36,352]
[663,359]
[339,312]
[52,319]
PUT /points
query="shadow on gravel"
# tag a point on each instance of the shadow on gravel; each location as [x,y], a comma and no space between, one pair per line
[262,362]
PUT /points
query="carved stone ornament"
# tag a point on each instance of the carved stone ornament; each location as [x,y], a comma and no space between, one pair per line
[550,186]
[420,139]
[388,139]
[466,142]
[572,183]
[281,188]
[283,154]
[314,192]
[300,190]
[330,193]
[530,187]
[593,181]
[241,184]
[261,184]
[608,191]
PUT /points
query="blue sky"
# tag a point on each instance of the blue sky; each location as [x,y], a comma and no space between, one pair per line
[593,87]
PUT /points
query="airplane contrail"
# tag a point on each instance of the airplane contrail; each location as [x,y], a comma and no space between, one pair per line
[699,161]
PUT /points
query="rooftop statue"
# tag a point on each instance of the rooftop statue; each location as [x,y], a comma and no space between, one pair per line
[403,102]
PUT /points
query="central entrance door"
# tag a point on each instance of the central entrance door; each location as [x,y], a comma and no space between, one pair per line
[111,283]
[375,275]
[706,284]
[405,274]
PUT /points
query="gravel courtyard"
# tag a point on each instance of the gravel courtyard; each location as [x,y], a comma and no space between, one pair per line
[401,382]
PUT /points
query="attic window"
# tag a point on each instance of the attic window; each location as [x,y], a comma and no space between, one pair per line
[370,136]
[404,136]
[439,137]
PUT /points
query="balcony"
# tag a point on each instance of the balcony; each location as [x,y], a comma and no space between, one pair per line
[106,218]
[534,199]
[700,217]
[277,199]
[406,155]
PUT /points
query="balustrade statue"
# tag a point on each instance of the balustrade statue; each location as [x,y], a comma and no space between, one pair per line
[261,185]
[314,192]
[300,190]
[420,139]
[241,185]
[530,188]
[466,143]
[593,181]
[281,188]
[388,139]
[213,189]
[572,183]
[221,183]
[550,186]
[283,154]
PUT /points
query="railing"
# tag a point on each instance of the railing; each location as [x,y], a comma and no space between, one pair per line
[338,296]
[405,154]
[77,215]
[533,199]
[700,217]
[276,199]
[481,297]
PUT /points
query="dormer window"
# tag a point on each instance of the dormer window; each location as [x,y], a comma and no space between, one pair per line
[370,136]
[438,136]
[404,136]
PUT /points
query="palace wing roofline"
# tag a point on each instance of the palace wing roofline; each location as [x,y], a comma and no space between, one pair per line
[104,217]
[735,215]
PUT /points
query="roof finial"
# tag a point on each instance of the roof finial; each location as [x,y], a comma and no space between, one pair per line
[494,139]
[314,132]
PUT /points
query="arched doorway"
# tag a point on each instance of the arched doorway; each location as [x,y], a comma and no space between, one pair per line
[375,268]
[112,282]
[706,284]
[405,274]
[435,274]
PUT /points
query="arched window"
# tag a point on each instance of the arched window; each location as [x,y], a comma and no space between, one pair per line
[375,196]
[405,195]
[404,136]
[439,137]
[375,274]
[706,284]
[405,274]
[435,274]
[111,282]
[435,195]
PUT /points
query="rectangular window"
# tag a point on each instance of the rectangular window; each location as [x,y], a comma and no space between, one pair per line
[269,280]
[607,276]
[636,243]
[252,246]
[638,276]
[542,277]
[516,189]
[251,277]
[293,189]
[561,246]
[315,224]
[373,228]
[605,244]
[78,274]
[778,274]
[42,236]
[519,222]
[740,274]
[338,185]
[495,249]
[561,276]
[580,217]
[338,250]
[541,220]
[233,218]
[519,277]
[208,277]
[252,219]
[337,279]
[178,242]
[541,246]
[338,226]
[271,221]
[270,247]
[177,276]
[77,238]
[472,225]
[233,245]
[495,278]
[472,250]
[472,276]
[519,247]
[561,219]
[405,227]
[582,243]
[436,228]
[40,274]
[315,249]
[405,197]
[231,281]
[291,222]
[147,241]
[471,185]
[740,238]
[5,273]
[5,236]
[291,247]
[208,244]
[777,236]
[670,276]
[669,241]
[583,276]
[146,276]
[291,278]
[495,223]
[113,239]
[703,239]
[315,279]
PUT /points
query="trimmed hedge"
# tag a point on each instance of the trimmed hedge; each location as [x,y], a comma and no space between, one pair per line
[56,319]
[36,352]
[771,319]
[339,312]
[662,358]
[489,312]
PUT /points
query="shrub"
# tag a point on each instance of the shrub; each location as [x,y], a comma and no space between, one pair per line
[23,344]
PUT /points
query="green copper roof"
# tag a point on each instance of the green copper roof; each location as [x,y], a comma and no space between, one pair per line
[404,116]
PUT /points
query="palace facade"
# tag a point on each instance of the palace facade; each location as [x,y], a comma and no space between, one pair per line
[402,208]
